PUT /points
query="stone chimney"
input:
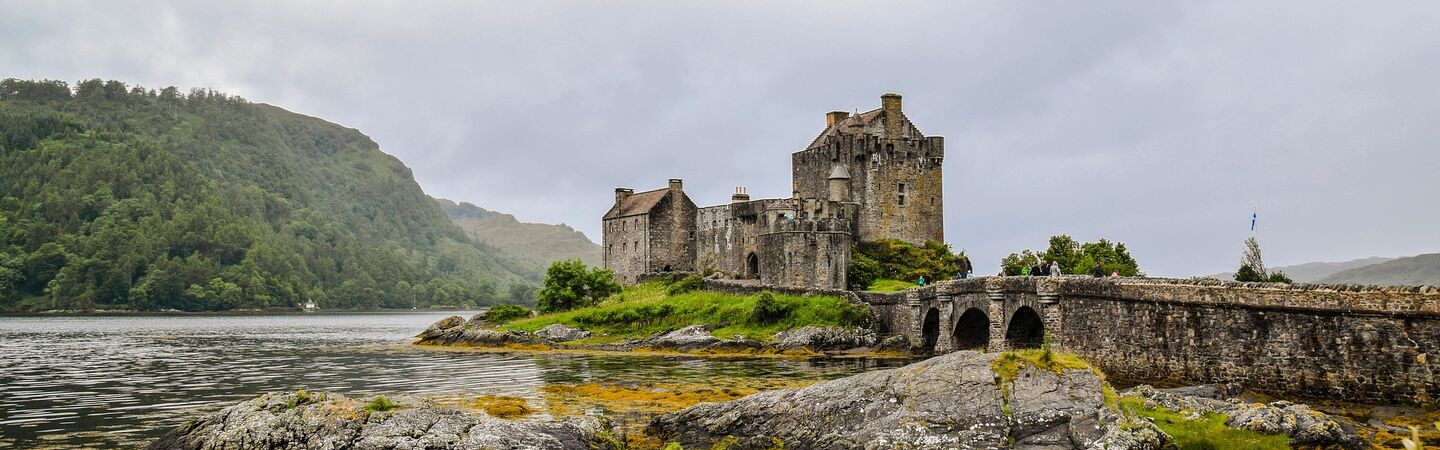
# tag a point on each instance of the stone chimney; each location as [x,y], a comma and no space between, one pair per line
[677,185]
[621,194]
[890,103]
[834,117]
[741,195]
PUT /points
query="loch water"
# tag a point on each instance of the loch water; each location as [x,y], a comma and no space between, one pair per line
[121,381]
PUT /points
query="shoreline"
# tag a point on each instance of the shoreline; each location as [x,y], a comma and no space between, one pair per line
[245,312]
[698,353]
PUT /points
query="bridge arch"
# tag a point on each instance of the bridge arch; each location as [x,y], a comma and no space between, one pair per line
[972,330]
[930,329]
[1026,329]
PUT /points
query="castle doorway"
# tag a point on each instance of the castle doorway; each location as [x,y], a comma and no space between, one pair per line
[752,266]
[972,331]
[930,329]
[1026,330]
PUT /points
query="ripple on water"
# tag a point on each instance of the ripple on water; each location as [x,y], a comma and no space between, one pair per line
[123,380]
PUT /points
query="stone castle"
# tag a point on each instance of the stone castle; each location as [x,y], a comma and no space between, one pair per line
[866,177]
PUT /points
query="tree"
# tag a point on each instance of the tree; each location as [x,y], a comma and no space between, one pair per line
[522,294]
[569,285]
[1251,259]
[1075,258]
[899,260]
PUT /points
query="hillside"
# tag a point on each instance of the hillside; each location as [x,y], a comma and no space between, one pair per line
[537,243]
[1409,271]
[1314,271]
[118,197]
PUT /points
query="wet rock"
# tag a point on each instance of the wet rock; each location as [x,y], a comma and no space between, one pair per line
[825,338]
[471,334]
[950,401]
[285,421]
[688,338]
[441,326]
[1303,425]
[895,343]
[561,333]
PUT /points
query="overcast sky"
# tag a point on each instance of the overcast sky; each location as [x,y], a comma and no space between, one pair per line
[1158,124]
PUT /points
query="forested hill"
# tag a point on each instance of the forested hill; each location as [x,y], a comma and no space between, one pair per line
[539,243]
[118,197]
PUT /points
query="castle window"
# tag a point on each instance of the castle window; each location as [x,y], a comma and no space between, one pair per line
[902,188]
[901,195]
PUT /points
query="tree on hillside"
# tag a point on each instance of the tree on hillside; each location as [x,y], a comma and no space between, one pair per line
[569,285]
[1075,257]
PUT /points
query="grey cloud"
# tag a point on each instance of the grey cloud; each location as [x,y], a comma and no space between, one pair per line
[1158,125]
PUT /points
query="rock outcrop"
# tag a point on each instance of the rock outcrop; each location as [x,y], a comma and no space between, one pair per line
[1303,425]
[825,338]
[448,332]
[950,401]
[561,333]
[332,421]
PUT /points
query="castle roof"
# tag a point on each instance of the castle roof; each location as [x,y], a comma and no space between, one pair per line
[637,203]
[840,172]
[855,124]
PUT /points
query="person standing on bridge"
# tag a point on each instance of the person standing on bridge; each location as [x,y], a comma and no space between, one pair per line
[1054,269]
[1097,272]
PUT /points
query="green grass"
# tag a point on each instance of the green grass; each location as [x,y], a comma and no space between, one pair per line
[645,309]
[1208,432]
[380,404]
[884,285]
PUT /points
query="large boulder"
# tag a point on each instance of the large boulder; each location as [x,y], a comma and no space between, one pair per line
[1303,425]
[441,326]
[471,334]
[825,338]
[560,333]
[332,421]
[688,338]
[950,401]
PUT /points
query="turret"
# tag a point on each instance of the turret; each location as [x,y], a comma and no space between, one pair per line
[839,183]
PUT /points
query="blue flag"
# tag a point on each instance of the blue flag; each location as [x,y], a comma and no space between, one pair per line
[1253,216]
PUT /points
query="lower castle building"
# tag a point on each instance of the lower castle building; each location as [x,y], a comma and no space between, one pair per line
[866,177]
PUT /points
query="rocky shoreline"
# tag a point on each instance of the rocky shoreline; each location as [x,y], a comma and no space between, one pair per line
[957,400]
[455,331]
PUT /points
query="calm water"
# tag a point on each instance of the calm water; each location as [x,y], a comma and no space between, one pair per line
[119,381]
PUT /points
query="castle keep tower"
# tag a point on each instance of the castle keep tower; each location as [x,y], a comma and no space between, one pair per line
[867,177]
[894,169]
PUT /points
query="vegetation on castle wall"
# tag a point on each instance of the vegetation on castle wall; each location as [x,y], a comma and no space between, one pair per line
[645,309]
[898,260]
[120,197]
[1075,258]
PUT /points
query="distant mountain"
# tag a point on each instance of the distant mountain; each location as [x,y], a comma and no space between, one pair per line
[1410,271]
[119,197]
[538,243]
[1314,271]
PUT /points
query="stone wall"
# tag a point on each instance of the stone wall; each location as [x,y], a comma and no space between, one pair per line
[1356,343]
[626,245]
[672,233]
[807,253]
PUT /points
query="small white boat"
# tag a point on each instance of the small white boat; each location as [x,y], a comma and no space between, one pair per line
[310,306]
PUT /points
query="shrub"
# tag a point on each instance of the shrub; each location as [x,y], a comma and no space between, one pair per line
[900,260]
[499,314]
[768,310]
[380,404]
[690,283]
[1279,277]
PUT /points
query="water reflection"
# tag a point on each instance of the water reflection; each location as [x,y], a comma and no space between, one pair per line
[120,381]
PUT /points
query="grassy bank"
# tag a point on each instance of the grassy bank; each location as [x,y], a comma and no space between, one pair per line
[648,308]
[1206,432]
[885,285]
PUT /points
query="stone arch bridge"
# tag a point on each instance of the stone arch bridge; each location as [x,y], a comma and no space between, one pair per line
[1358,343]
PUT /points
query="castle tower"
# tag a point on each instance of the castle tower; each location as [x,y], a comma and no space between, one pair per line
[894,172]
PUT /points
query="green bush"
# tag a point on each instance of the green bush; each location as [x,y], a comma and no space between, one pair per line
[899,260]
[1279,277]
[569,285]
[690,283]
[1075,258]
[381,404]
[768,310]
[499,314]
